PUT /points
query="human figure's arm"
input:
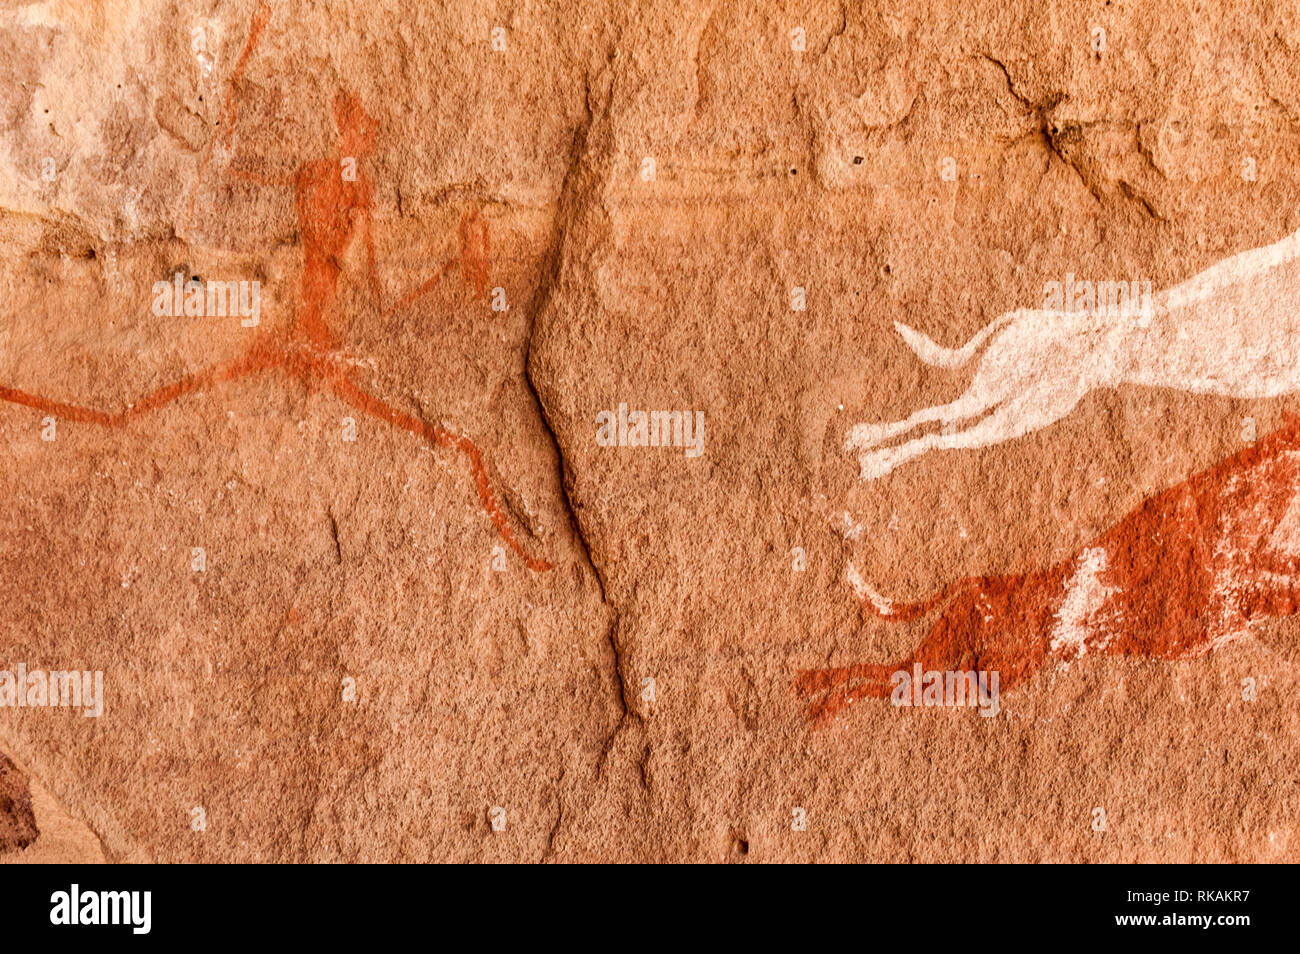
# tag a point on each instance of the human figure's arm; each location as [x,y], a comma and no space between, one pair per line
[371,272]
[411,296]
[229,108]
[260,179]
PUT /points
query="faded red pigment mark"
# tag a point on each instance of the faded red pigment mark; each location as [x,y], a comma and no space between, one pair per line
[1187,571]
[230,104]
[330,210]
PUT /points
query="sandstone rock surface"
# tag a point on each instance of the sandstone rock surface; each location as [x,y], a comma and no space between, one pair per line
[362,581]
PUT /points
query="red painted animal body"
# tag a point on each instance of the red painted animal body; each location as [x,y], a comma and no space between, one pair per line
[1188,570]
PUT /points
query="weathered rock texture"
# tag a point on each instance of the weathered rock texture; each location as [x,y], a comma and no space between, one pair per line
[372,663]
[17,820]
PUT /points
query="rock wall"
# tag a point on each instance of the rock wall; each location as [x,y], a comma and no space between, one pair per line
[369,576]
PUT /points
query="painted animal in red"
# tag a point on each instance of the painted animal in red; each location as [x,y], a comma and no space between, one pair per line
[1190,569]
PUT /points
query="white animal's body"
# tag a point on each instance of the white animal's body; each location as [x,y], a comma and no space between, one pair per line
[1232,330]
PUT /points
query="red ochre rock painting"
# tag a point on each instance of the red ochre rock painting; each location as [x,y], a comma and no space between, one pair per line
[1187,571]
[331,210]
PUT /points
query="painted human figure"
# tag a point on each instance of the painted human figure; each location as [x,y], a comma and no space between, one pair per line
[333,201]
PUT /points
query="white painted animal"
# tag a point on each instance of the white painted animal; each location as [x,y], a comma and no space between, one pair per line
[1232,330]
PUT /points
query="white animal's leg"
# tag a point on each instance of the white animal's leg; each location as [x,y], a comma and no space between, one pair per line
[1028,412]
[970,404]
[875,464]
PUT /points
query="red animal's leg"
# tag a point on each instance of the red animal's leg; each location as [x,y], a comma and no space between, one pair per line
[818,680]
[842,687]
[809,681]
[947,646]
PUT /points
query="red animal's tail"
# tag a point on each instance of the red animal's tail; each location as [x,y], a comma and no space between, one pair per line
[877,605]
